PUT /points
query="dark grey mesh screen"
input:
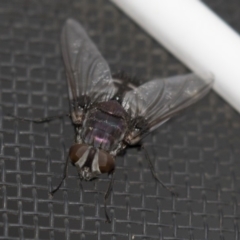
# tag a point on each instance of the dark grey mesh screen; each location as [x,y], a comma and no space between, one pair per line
[197,152]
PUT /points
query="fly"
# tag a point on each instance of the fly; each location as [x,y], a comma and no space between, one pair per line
[108,113]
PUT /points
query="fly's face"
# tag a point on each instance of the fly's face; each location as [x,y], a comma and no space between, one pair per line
[91,162]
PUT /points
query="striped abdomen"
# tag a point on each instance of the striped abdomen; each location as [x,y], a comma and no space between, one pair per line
[105,126]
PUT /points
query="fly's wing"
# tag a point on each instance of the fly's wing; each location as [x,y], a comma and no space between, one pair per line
[88,74]
[158,100]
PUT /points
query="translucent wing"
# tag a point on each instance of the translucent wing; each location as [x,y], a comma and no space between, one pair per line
[88,74]
[158,100]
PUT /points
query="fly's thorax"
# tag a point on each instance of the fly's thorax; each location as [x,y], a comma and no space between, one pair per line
[90,161]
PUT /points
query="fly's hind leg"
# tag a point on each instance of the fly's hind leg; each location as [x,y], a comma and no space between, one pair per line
[40,120]
[154,174]
[133,142]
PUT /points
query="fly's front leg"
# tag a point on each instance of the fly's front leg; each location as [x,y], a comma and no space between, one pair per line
[65,170]
[41,120]
[107,195]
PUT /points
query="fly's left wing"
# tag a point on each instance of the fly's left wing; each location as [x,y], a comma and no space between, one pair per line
[88,74]
[158,100]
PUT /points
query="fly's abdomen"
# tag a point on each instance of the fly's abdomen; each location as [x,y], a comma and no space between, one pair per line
[103,130]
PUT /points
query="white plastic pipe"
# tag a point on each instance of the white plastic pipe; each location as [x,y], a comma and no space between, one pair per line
[195,35]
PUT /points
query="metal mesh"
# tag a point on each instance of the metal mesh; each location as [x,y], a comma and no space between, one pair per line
[197,152]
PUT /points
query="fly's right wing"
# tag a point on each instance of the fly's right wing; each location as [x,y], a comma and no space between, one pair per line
[88,75]
[158,100]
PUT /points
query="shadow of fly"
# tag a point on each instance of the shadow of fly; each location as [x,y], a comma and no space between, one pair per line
[108,113]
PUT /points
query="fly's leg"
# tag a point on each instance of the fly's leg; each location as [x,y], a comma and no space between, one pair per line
[63,177]
[132,142]
[154,174]
[41,120]
[106,197]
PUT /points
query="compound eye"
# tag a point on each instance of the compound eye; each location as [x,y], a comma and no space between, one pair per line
[106,162]
[76,152]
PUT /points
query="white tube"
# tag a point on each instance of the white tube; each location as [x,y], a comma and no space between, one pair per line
[195,35]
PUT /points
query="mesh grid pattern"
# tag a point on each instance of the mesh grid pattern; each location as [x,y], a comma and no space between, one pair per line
[197,152]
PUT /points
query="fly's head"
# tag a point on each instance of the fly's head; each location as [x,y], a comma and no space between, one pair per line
[90,162]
